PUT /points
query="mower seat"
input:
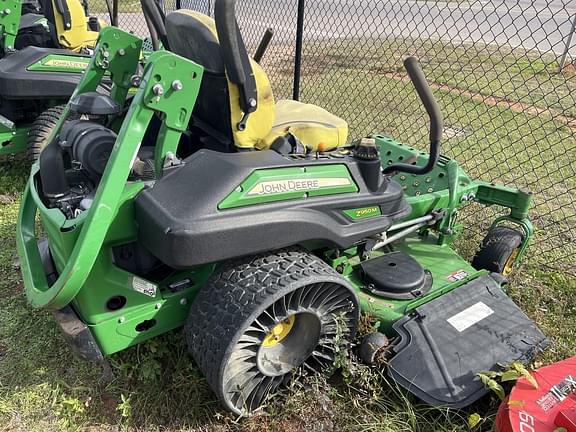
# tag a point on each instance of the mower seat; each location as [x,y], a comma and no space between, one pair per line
[217,111]
[71,28]
[317,128]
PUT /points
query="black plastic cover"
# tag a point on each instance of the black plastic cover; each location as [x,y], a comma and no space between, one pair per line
[16,82]
[179,221]
[396,275]
[94,103]
[448,341]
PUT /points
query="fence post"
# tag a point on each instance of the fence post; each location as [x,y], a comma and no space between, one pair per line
[298,54]
[568,45]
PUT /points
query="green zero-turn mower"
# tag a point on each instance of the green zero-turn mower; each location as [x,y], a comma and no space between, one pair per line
[43,51]
[257,228]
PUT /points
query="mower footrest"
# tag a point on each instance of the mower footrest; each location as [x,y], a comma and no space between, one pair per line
[445,343]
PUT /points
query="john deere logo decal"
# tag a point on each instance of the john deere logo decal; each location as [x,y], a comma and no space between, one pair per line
[295,185]
[290,183]
[69,64]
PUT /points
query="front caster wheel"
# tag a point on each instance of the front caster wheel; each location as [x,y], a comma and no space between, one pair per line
[498,251]
[260,318]
[374,348]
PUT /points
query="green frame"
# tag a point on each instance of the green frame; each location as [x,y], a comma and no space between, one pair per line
[117,52]
[81,246]
[10,14]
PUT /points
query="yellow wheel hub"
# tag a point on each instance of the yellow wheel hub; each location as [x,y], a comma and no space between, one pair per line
[510,263]
[279,332]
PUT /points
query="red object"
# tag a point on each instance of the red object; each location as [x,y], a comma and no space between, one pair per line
[567,419]
[544,409]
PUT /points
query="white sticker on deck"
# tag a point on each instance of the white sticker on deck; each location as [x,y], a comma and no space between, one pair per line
[470,316]
[143,286]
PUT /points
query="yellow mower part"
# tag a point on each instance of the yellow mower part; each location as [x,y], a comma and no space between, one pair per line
[279,332]
[316,128]
[78,36]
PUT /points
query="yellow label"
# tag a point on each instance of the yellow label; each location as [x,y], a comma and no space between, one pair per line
[295,185]
[368,211]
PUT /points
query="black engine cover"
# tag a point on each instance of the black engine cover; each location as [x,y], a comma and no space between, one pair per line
[17,82]
[180,223]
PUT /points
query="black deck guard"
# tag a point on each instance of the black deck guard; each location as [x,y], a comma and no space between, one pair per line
[448,341]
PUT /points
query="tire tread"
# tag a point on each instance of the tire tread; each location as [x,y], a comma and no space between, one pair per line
[496,248]
[235,292]
[40,130]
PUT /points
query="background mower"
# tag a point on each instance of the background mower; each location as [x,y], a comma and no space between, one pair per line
[43,50]
[48,24]
[543,402]
[260,229]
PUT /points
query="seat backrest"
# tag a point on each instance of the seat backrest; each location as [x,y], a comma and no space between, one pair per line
[217,111]
[68,20]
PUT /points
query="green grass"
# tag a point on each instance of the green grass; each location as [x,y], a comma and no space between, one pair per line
[156,386]
[124,6]
[490,70]
[527,144]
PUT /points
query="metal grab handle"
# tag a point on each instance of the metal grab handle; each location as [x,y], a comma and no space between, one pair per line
[236,60]
[62,8]
[229,37]
[436,121]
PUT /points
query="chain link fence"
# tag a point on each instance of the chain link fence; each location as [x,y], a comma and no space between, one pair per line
[504,73]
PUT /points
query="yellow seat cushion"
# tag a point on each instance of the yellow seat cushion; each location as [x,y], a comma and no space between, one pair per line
[315,127]
[78,36]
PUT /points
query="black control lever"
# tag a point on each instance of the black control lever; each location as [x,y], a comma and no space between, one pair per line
[62,8]
[263,45]
[155,20]
[436,122]
[236,60]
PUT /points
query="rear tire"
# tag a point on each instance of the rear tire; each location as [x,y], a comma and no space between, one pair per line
[498,250]
[41,130]
[260,318]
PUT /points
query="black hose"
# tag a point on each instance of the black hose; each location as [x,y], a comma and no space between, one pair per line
[153,33]
[52,172]
[436,122]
